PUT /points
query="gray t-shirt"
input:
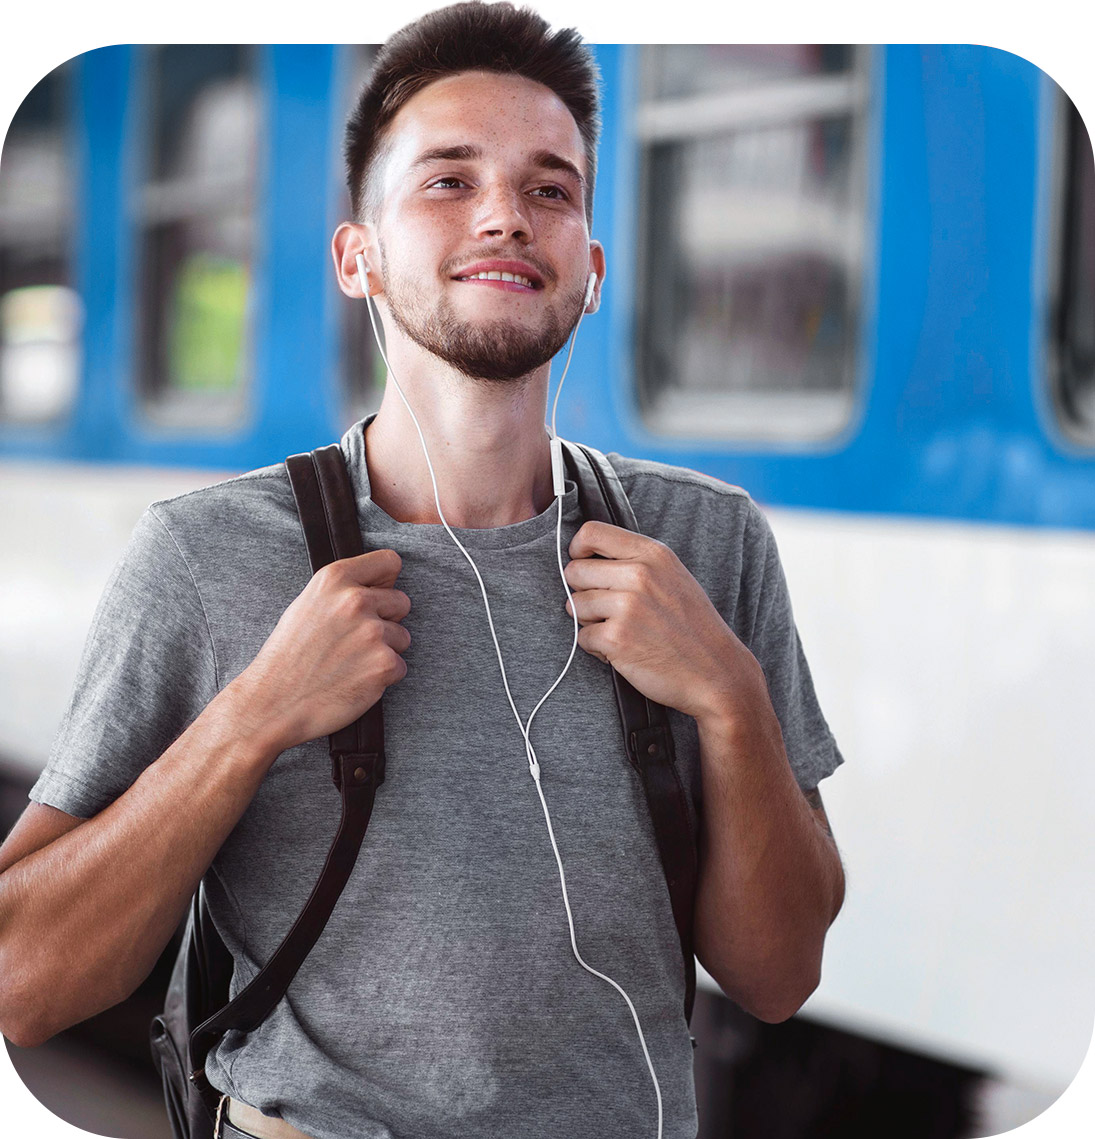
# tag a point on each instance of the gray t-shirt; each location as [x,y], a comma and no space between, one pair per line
[442,999]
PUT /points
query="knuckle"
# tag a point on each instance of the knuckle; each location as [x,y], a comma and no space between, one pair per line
[329,576]
[631,605]
[350,605]
[664,554]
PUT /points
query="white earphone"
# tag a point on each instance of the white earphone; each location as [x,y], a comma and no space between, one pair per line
[558,476]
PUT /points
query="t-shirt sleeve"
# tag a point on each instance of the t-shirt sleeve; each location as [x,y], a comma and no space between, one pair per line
[766,624]
[147,671]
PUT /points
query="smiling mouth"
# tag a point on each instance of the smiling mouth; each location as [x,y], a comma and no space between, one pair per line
[493,275]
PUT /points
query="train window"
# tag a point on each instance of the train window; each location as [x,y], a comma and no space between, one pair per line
[196,218]
[41,314]
[752,232]
[1074,371]
[361,369]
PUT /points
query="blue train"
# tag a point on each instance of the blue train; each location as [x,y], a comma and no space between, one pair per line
[964,347]
[858,281]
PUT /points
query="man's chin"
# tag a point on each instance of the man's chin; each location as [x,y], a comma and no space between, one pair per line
[495,369]
[490,350]
[499,352]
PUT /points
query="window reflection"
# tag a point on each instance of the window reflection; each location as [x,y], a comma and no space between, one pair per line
[41,315]
[752,238]
[196,213]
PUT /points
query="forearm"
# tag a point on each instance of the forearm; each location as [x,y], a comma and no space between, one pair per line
[83,920]
[770,876]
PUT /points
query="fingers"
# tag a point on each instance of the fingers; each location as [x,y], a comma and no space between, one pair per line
[395,636]
[375,567]
[373,574]
[609,541]
[594,605]
[597,640]
[390,604]
[602,573]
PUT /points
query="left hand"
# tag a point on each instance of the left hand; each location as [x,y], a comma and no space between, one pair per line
[646,615]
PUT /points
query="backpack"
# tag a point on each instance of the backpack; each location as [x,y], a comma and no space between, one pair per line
[197,1012]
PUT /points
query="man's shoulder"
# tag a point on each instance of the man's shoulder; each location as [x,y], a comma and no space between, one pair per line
[681,505]
[246,496]
[651,477]
[713,526]
[232,522]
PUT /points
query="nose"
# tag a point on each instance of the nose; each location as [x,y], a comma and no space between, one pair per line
[503,215]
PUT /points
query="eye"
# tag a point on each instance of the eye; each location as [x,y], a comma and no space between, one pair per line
[448,182]
[555,193]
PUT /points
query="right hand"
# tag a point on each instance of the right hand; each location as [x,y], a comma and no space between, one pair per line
[331,654]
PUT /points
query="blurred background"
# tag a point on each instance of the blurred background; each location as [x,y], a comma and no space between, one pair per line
[858,281]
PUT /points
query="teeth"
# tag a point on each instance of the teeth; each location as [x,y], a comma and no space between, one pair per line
[493,275]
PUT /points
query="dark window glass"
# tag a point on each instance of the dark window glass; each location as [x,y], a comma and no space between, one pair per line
[196,217]
[752,238]
[1074,377]
[41,314]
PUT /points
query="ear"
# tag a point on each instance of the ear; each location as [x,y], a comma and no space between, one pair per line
[350,240]
[596,265]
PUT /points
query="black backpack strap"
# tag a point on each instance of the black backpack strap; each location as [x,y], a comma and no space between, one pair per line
[328,513]
[647,736]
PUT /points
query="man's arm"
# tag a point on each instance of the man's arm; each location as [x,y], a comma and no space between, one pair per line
[84,917]
[86,907]
[770,879]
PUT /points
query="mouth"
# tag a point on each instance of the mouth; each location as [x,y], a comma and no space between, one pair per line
[510,276]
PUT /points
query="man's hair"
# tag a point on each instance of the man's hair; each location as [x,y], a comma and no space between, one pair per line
[469,37]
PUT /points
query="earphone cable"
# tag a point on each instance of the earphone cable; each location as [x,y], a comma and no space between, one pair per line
[525,729]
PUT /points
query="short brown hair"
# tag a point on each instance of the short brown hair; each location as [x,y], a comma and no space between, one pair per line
[470,37]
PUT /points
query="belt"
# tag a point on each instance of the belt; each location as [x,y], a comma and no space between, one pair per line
[261,1126]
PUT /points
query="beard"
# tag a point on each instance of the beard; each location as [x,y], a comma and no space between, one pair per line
[495,350]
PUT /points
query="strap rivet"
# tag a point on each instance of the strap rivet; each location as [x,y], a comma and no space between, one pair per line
[360,774]
[651,749]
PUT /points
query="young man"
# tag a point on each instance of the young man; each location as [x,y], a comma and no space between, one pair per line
[443,998]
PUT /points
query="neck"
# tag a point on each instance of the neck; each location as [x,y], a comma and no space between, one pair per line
[487,442]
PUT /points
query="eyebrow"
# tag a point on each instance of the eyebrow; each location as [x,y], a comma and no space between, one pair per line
[462,153]
[551,161]
[546,159]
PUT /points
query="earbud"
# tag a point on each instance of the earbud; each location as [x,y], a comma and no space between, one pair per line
[362,274]
[591,284]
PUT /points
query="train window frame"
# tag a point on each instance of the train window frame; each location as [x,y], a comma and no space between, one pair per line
[794,419]
[55,300]
[1066,262]
[156,205]
[355,353]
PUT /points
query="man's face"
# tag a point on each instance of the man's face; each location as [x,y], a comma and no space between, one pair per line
[484,174]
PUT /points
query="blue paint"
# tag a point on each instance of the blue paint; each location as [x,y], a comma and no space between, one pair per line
[97,426]
[953,419]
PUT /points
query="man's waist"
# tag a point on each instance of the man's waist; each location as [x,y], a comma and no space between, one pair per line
[261,1126]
